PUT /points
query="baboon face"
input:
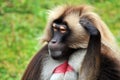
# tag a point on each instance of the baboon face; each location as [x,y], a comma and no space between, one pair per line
[65,32]
[57,45]
[66,35]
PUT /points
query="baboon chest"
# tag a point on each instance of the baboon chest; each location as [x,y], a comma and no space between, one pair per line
[63,70]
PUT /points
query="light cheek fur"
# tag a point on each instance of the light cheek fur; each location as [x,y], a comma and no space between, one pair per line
[79,37]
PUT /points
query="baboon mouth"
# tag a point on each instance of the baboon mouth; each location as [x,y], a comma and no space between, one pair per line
[56,54]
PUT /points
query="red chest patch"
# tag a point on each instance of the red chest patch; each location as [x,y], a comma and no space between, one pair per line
[63,68]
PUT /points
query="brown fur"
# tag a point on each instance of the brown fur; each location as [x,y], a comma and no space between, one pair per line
[94,65]
[71,16]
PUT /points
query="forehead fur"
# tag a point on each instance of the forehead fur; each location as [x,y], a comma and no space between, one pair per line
[72,15]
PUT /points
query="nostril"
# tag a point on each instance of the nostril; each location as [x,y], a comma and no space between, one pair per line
[53,41]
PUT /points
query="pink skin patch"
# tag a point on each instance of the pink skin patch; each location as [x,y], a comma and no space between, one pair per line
[63,68]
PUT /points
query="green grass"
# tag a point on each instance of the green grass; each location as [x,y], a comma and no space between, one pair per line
[22,23]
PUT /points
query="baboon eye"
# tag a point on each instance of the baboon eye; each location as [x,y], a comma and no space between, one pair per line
[54,27]
[62,29]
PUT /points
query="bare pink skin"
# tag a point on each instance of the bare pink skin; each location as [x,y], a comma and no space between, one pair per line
[63,68]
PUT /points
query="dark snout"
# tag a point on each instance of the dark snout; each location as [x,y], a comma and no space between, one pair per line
[56,49]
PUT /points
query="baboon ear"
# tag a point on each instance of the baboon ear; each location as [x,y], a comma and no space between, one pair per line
[94,44]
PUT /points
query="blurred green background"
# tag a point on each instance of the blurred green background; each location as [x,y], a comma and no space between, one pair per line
[22,23]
